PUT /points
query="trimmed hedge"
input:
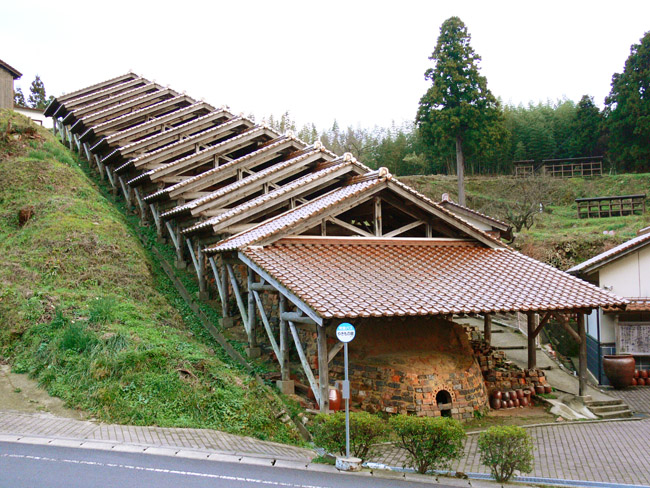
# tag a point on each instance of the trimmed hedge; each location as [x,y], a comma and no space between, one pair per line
[431,442]
[505,449]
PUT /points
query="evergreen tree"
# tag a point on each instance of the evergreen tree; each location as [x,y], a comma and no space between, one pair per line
[586,129]
[19,98]
[627,110]
[458,107]
[37,97]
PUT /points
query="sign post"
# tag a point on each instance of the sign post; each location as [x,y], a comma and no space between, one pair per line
[345,332]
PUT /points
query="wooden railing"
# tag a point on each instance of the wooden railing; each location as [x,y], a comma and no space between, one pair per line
[615,206]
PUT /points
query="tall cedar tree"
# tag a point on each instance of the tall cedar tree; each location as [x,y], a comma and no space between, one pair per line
[627,110]
[458,107]
[37,97]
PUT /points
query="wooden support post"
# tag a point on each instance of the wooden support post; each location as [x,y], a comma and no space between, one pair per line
[487,328]
[156,218]
[582,366]
[267,324]
[323,369]
[219,283]
[377,226]
[305,364]
[284,343]
[225,310]
[252,339]
[235,289]
[532,353]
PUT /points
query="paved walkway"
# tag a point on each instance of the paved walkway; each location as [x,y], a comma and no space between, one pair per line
[607,452]
[46,425]
[637,397]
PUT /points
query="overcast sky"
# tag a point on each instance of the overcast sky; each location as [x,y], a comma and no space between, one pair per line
[359,62]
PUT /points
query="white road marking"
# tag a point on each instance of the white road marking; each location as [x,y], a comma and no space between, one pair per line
[161,470]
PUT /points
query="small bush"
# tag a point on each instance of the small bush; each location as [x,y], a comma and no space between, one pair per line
[431,443]
[102,310]
[505,449]
[77,338]
[365,430]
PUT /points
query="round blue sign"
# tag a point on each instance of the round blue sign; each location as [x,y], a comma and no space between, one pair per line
[345,332]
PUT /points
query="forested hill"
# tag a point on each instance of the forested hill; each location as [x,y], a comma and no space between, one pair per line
[555,235]
[87,310]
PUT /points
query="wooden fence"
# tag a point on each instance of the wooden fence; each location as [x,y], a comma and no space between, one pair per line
[615,206]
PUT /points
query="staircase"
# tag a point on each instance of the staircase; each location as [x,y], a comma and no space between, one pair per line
[609,409]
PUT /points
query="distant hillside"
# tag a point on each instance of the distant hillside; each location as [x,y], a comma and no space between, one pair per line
[557,236]
[86,310]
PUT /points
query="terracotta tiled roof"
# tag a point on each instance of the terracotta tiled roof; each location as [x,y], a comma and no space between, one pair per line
[290,218]
[241,183]
[597,261]
[366,277]
[275,194]
[636,304]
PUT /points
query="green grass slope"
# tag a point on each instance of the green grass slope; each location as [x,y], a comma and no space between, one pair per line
[557,236]
[86,310]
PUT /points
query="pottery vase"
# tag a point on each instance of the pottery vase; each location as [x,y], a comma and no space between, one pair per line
[619,369]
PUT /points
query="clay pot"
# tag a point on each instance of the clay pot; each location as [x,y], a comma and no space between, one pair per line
[510,404]
[495,403]
[539,389]
[634,382]
[641,382]
[336,399]
[497,395]
[619,369]
[532,391]
[520,394]
[505,396]
[516,402]
[548,389]
[636,373]
[643,373]
[524,402]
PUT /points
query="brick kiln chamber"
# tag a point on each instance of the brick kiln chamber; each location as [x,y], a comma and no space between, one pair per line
[423,366]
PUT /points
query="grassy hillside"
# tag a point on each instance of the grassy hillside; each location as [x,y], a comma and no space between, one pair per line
[85,309]
[557,235]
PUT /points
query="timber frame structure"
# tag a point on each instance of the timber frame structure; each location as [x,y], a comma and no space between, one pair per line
[263,214]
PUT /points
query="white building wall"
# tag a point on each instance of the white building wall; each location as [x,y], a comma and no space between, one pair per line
[628,276]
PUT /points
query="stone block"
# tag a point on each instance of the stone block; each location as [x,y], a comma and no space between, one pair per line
[286,387]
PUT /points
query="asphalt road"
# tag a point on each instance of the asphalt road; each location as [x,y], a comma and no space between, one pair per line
[52,467]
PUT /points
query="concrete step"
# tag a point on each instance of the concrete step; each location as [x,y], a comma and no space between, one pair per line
[608,408]
[618,414]
[603,403]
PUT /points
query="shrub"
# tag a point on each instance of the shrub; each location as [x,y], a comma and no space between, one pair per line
[505,449]
[365,429]
[431,443]
[77,338]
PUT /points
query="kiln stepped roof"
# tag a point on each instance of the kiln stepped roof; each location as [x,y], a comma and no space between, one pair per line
[299,161]
[267,148]
[366,277]
[163,138]
[152,126]
[292,217]
[278,193]
[203,138]
[138,116]
[58,101]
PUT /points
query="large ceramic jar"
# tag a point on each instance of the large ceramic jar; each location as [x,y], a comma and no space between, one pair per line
[619,369]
